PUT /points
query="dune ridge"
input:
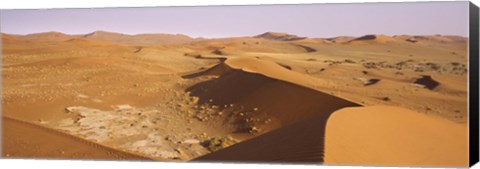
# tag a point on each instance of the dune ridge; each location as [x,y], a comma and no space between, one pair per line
[349,136]
[256,83]
[290,107]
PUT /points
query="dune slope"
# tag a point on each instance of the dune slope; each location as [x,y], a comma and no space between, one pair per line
[298,113]
[302,142]
[393,136]
[264,93]
[22,139]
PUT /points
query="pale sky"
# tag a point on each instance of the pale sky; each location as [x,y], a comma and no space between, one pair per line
[318,20]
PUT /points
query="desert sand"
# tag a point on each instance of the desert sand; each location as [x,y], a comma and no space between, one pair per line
[273,97]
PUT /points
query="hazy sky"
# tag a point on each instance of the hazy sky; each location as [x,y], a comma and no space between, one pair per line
[320,20]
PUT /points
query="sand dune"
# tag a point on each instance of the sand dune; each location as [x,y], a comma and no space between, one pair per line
[302,142]
[351,137]
[442,39]
[279,36]
[242,45]
[138,39]
[340,39]
[273,97]
[265,89]
[144,39]
[407,138]
[375,39]
[23,139]
[260,88]
[49,36]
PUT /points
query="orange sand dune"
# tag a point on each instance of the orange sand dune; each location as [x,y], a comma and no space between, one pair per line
[302,142]
[378,135]
[242,45]
[27,140]
[393,136]
[291,107]
[272,70]
[264,85]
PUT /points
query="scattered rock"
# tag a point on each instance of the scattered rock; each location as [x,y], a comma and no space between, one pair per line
[253,130]
[367,82]
[217,143]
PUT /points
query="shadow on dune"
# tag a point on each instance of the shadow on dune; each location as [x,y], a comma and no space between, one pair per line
[307,49]
[302,142]
[301,114]
[427,81]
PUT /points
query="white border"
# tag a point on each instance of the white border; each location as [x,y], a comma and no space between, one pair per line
[45,4]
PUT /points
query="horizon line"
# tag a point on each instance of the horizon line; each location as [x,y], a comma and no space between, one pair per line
[203,37]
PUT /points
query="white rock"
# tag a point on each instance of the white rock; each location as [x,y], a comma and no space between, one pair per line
[191,141]
[82,96]
[123,107]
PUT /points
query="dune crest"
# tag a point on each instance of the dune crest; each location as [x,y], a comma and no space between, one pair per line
[274,95]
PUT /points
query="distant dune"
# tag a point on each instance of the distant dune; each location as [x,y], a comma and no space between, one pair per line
[376,39]
[279,36]
[138,39]
[52,36]
[180,38]
[340,39]
[112,37]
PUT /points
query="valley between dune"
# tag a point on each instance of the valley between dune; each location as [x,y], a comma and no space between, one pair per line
[275,97]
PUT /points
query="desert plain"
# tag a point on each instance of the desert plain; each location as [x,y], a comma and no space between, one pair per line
[274,97]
